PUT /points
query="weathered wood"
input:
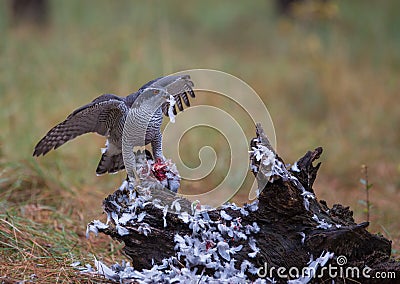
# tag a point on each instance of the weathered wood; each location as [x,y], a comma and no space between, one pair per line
[293,224]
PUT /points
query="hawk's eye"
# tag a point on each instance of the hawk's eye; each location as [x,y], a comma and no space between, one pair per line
[156,92]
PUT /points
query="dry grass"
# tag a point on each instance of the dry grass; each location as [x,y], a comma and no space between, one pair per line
[42,230]
[327,81]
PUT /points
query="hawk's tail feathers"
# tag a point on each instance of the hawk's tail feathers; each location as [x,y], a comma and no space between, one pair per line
[110,164]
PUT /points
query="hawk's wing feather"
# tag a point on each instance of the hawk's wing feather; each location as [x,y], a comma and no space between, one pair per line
[179,86]
[98,116]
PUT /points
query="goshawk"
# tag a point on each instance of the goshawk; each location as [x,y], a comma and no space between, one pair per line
[106,115]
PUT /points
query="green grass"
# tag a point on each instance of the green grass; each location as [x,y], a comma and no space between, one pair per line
[330,82]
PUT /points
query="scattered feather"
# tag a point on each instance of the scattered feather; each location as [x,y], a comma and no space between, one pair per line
[223,248]
[252,206]
[165,211]
[225,216]
[122,231]
[179,239]
[141,216]
[157,204]
[184,216]
[311,270]
[295,168]
[205,216]
[125,218]
[175,204]
[75,264]
[171,114]
[244,212]
[94,227]
[253,246]
[303,237]
[144,229]
[321,223]
[105,270]
[234,250]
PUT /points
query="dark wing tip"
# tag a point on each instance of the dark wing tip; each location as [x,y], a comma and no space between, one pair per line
[46,144]
[41,149]
[36,151]
[185,99]
[179,102]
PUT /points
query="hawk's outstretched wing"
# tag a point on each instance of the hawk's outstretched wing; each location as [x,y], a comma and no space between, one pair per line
[179,86]
[102,115]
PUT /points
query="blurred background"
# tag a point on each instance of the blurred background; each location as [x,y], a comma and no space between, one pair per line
[328,71]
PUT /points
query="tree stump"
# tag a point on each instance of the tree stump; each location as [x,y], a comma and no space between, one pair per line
[286,234]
